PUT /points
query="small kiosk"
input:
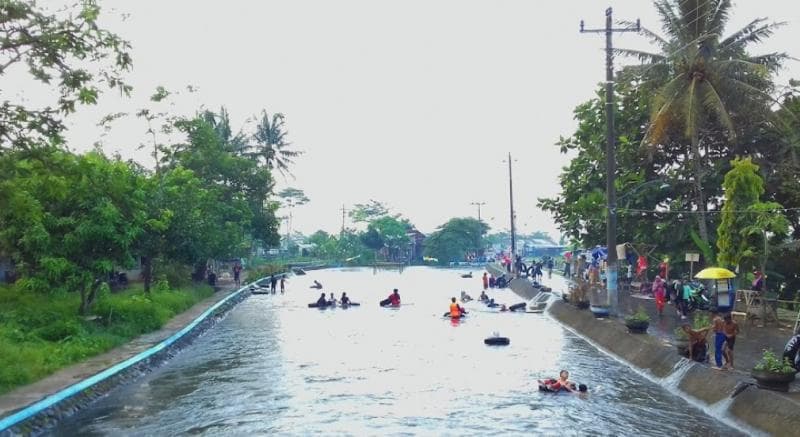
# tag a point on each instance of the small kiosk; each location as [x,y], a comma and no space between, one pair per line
[720,284]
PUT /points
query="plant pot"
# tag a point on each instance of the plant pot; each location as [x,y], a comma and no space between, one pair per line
[600,312]
[637,327]
[772,381]
[582,305]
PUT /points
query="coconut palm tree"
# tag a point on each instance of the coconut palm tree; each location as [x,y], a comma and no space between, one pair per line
[271,146]
[703,82]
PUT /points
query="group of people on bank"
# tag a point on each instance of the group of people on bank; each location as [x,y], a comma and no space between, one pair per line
[725,331]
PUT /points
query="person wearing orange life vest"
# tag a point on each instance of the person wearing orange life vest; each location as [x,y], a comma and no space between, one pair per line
[455,309]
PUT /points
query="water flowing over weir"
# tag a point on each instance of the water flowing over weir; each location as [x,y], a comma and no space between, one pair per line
[276,366]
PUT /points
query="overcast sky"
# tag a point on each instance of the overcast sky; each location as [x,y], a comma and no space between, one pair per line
[413,103]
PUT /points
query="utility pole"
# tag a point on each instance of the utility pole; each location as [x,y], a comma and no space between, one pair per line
[511,204]
[479,208]
[343,211]
[611,164]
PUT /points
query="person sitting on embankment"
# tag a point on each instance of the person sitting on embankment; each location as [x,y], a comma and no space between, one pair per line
[698,346]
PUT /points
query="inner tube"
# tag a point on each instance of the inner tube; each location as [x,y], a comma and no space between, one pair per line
[447,315]
[316,305]
[497,341]
[351,304]
[518,306]
[792,351]
[385,302]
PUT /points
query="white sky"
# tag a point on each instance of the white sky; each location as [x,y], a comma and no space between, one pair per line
[415,103]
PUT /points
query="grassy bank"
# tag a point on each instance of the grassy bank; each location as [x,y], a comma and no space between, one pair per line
[41,333]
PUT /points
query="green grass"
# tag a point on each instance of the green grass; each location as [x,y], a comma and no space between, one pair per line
[41,333]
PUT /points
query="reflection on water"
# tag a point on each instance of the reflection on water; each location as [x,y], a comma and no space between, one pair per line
[275,366]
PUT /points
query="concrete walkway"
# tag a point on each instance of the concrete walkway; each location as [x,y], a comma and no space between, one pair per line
[26,395]
[750,342]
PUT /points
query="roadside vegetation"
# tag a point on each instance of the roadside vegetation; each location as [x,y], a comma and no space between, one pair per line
[41,333]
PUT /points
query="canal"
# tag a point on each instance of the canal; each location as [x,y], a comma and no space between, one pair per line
[275,366]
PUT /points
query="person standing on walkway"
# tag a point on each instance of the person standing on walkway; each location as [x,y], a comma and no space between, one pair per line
[273,282]
[485,280]
[731,329]
[283,284]
[658,293]
[718,326]
[237,272]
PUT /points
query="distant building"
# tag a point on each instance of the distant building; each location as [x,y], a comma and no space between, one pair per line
[417,245]
[538,247]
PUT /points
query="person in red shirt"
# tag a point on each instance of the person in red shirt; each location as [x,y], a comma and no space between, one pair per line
[394,298]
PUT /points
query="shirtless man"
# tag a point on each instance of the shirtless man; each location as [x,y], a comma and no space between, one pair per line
[730,328]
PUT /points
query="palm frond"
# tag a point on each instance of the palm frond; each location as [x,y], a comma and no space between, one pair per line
[720,17]
[649,34]
[713,102]
[660,119]
[754,32]
[671,23]
[772,61]
[642,56]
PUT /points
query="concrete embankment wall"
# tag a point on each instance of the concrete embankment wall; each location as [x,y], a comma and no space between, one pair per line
[763,410]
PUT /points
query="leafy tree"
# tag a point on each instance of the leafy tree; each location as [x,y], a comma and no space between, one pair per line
[67,49]
[293,197]
[452,240]
[704,80]
[67,220]
[235,192]
[392,234]
[368,212]
[745,219]
[270,145]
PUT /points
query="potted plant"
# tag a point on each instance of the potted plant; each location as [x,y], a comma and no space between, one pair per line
[773,373]
[638,322]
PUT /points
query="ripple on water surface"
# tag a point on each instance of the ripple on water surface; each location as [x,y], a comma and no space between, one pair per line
[273,366]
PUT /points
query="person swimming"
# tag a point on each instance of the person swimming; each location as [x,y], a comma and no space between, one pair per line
[316,285]
[333,300]
[322,302]
[465,297]
[344,300]
[562,383]
[484,297]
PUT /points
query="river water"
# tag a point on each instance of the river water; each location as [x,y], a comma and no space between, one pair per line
[275,366]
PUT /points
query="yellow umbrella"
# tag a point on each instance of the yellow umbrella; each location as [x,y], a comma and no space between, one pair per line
[715,273]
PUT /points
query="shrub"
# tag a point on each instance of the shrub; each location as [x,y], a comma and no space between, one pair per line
[176,274]
[135,310]
[639,317]
[769,362]
[59,330]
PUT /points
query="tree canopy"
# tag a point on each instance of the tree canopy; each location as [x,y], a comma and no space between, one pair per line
[67,50]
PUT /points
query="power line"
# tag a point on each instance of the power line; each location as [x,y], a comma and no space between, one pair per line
[672,211]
